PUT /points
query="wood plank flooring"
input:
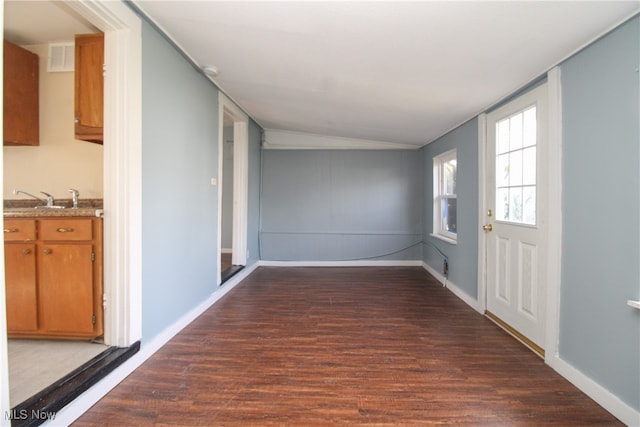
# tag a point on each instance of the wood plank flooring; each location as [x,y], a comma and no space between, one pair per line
[344,346]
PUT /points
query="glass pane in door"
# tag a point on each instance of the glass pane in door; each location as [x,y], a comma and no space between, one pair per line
[516,167]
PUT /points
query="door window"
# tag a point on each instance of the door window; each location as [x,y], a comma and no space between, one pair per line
[516,168]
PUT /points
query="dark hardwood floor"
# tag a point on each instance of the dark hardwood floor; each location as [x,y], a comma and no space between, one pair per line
[343,346]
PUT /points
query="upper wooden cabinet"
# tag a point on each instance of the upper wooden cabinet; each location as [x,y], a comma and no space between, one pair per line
[21,102]
[89,87]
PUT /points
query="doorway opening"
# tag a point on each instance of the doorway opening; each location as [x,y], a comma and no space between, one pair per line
[232,190]
[122,242]
[227,267]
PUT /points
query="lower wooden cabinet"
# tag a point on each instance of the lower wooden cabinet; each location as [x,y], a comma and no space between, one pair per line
[21,291]
[53,274]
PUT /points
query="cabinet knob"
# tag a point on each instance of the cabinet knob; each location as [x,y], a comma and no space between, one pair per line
[26,251]
[64,230]
[11,230]
[47,251]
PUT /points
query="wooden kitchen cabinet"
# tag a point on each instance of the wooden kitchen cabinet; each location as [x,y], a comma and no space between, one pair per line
[89,87]
[21,99]
[54,290]
[20,275]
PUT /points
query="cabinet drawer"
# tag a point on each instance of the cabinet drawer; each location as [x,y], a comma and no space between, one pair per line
[19,230]
[65,229]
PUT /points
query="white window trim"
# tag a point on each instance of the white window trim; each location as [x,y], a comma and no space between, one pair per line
[438,232]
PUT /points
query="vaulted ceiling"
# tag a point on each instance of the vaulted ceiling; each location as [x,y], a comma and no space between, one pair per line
[391,71]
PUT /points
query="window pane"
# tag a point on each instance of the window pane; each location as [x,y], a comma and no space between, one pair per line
[502,170]
[515,168]
[449,215]
[449,170]
[529,208]
[515,204]
[444,203]
[515,132]
[529,166]
[529,127]
[502,136]
[502,204]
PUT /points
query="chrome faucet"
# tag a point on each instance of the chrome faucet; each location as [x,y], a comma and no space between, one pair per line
[74,195]
[49,198]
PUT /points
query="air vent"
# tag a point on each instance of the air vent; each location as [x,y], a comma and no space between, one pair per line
[61,57]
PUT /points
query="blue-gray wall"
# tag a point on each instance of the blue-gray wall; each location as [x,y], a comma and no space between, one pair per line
[599,333]
[179,204]
[341,205]
[463,256]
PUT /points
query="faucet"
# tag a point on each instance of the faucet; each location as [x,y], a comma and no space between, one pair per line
[74,195]
[49,198]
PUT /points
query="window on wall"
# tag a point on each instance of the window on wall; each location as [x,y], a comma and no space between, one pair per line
[445,200]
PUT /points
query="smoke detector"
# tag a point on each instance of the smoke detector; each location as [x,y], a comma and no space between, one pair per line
[210,70]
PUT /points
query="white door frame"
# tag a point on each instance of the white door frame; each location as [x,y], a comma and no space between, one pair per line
[122,179]
[240,179]
[122,167]
[553,161]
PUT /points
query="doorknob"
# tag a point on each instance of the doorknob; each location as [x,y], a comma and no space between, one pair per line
[487,227]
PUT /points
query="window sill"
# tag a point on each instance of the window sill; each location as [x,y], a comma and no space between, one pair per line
[444,238]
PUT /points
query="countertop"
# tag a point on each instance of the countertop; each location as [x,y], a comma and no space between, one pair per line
[27,209]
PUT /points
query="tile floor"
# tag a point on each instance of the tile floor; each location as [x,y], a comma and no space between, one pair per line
[36,364]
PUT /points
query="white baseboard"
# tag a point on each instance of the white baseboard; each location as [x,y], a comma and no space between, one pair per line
[85,401]
[595,391]
[438,276]
[359,263]
[455,289]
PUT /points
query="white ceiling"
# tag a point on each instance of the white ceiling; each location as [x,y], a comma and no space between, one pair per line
[38,22]
[399,72]
[394,72]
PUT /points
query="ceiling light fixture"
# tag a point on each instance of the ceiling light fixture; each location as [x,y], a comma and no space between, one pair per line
[210,70]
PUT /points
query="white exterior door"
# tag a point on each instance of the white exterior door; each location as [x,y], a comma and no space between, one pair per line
[515,221]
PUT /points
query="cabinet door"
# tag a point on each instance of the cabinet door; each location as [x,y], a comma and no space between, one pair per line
[21,111]
[20,279]
[65,274]
[89,87]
